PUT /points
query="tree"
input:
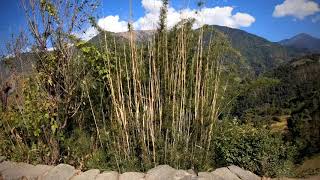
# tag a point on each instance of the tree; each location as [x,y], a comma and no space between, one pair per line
[52,25]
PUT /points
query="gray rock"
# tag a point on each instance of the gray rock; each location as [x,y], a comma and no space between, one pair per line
[60,172]
[191,171]
[193,174]
[6,165]
[14,171]
[205,176]
[17,171]
[132,176]
[162,172]
[88,175]
[2,158]
[23,170]
[41,169]
[112,175]
[224,174]
[182,175]
[243,174]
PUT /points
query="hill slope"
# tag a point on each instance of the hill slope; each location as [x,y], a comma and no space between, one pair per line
[303,42]
[295,96]
[261,54]
[258,53]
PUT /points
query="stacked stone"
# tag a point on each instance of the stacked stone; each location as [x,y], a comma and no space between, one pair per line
[16,171]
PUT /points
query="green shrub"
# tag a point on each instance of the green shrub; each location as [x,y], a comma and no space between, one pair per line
[72,153]
[255,149]
[30,125]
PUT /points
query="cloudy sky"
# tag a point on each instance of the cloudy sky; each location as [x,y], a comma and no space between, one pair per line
[272,19]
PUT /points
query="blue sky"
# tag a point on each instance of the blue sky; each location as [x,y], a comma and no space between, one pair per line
[272,19]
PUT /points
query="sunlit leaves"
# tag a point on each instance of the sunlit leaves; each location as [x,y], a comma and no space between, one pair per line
[49,7]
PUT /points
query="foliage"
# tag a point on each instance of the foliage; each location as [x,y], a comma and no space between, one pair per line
[294,95]
[255,149]
[31,126]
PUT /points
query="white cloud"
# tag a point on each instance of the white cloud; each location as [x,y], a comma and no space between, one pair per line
[109,23]
[88,34]
[50,49]
[151,6]
[296,8]
[113,24]
[212,16]
[243,19]
[223,16]
[151,18]
[9,56]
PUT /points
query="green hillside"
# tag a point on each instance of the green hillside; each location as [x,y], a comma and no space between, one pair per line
[294,95]
[261,54]
[256,55]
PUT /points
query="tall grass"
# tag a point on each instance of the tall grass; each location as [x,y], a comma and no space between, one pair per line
[166,95]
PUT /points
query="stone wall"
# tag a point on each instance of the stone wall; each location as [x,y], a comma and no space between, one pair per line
[13,171]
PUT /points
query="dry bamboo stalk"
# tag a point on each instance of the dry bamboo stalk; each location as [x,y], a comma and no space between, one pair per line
[157,82]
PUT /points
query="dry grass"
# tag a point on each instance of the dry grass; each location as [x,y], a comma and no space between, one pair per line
[166,96]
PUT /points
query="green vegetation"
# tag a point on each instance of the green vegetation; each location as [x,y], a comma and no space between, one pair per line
[293,100]
[259,55]
[184,98]
[256,149]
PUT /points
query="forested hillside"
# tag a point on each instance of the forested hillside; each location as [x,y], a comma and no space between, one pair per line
[289,93]
[256,55]
[260,54]
[303,42]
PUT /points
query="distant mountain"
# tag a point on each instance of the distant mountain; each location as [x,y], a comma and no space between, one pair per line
[20,65]
[140,35]
[261,54]
[303,42]
[257,53]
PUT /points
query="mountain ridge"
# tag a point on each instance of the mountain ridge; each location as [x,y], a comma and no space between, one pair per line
[303,41]
[258,53]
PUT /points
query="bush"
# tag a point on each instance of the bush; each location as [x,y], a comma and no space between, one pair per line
[30,126]
[255,149]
